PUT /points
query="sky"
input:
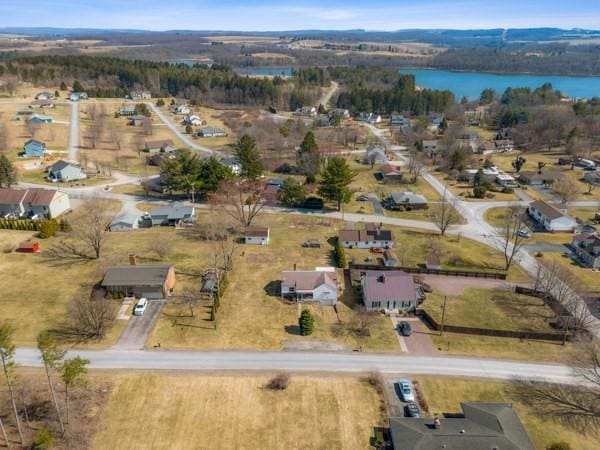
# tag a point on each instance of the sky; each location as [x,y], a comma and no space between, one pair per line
[261,15]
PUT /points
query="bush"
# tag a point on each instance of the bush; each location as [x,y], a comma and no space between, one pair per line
[48,228]
[160,102]
[189,129]
[479,191]
[279,382]
[420,397]
[339,255]
[508,190]
[559,446]
[306,323]
[311,178]
[44,439]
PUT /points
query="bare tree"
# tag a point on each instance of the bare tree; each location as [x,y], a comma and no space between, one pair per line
[414,166]
[190,298]
[444,213]
[147,127]
[160,248]
[577,405]
[7,353]
[89,318]
[52,357]
[3,138]
[512,239]
[240,200]
[565,188]
[91,227]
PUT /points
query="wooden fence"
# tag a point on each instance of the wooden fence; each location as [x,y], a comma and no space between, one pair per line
[491,332]
[422,270]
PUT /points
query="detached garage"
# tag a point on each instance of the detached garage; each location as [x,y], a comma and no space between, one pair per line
[152,281]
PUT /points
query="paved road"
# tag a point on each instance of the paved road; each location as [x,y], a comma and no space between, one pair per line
[184,137]
[139,327]
[314,361]
[74,132]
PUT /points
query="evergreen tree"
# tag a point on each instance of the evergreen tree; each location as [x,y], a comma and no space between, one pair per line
[142,109]
[63,86]
[306,323]
[292,193]
[339,254]
[72,372]
[160,102]
[308,158]
[77,87]
[248,156]
[335,180]
[8,173]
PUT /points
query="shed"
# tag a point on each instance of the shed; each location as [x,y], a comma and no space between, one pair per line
[257,236]
[28,247]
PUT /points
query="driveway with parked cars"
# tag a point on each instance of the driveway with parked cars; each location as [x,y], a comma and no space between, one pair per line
[139,327]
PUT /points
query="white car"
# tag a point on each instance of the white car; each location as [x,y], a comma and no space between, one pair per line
[140,306]
[524,234]
[406,391]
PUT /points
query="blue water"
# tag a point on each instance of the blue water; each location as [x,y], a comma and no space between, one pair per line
[470,84]
[263,72]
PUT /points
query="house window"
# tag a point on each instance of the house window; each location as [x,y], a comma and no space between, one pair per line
[376,304]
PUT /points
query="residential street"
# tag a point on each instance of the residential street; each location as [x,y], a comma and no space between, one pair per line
[184,137]
[313,361]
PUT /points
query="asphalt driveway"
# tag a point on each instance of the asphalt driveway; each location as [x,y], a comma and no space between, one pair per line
[139,327]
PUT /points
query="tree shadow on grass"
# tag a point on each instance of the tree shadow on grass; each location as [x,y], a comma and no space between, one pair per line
[293,330]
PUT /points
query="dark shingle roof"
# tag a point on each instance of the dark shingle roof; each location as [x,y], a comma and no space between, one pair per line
[257,232]
[136,275]
[484,426]
[388,286]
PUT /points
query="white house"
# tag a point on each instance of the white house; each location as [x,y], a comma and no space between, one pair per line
[65,171]
[375,155]
[257,236]
[371,237]
[233,164]
[550,217]
[192,120]
[180,109]
[33,203]
[369,117]
[430,147]
[306,111]
[311,285]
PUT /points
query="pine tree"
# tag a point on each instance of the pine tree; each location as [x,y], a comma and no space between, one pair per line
[72,373]
[292,193]
[248,156]
[335,180]
[306,323]
[7,353]
[8,174]
[308,157]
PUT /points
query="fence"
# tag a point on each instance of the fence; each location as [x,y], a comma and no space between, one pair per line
[422,270]
[491,332]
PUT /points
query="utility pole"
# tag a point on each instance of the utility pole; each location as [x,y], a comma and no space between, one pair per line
[443,316]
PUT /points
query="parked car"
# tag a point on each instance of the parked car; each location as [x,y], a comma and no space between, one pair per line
[412,410]
[406,391]
[524,234]
[405,328]
[363,198]
[311,243]
[140,306]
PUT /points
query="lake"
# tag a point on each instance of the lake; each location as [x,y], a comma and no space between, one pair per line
[265,71]
[470,84]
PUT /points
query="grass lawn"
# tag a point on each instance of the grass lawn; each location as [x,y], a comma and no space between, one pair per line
[496,309]
[492,308]
[445,395]
[253,316]
[464,190]
[590,280]
[180,411]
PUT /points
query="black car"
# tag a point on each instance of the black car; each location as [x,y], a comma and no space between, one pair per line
[412,410]
[405,328]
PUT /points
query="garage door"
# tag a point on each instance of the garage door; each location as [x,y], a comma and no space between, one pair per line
[153,295]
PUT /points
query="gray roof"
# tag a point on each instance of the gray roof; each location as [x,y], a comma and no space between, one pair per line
[388,286]
[547,210]
[136,275]
[174,211]
[407,197]
[125,217]
[484,426]
[61,164]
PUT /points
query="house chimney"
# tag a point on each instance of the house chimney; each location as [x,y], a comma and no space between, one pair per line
[382,278]
[437,424]
[294,267]
[132,259]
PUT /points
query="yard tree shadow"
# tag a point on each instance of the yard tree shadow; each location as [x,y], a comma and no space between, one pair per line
[294,330]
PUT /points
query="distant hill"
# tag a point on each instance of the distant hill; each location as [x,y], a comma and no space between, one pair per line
[448,37]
